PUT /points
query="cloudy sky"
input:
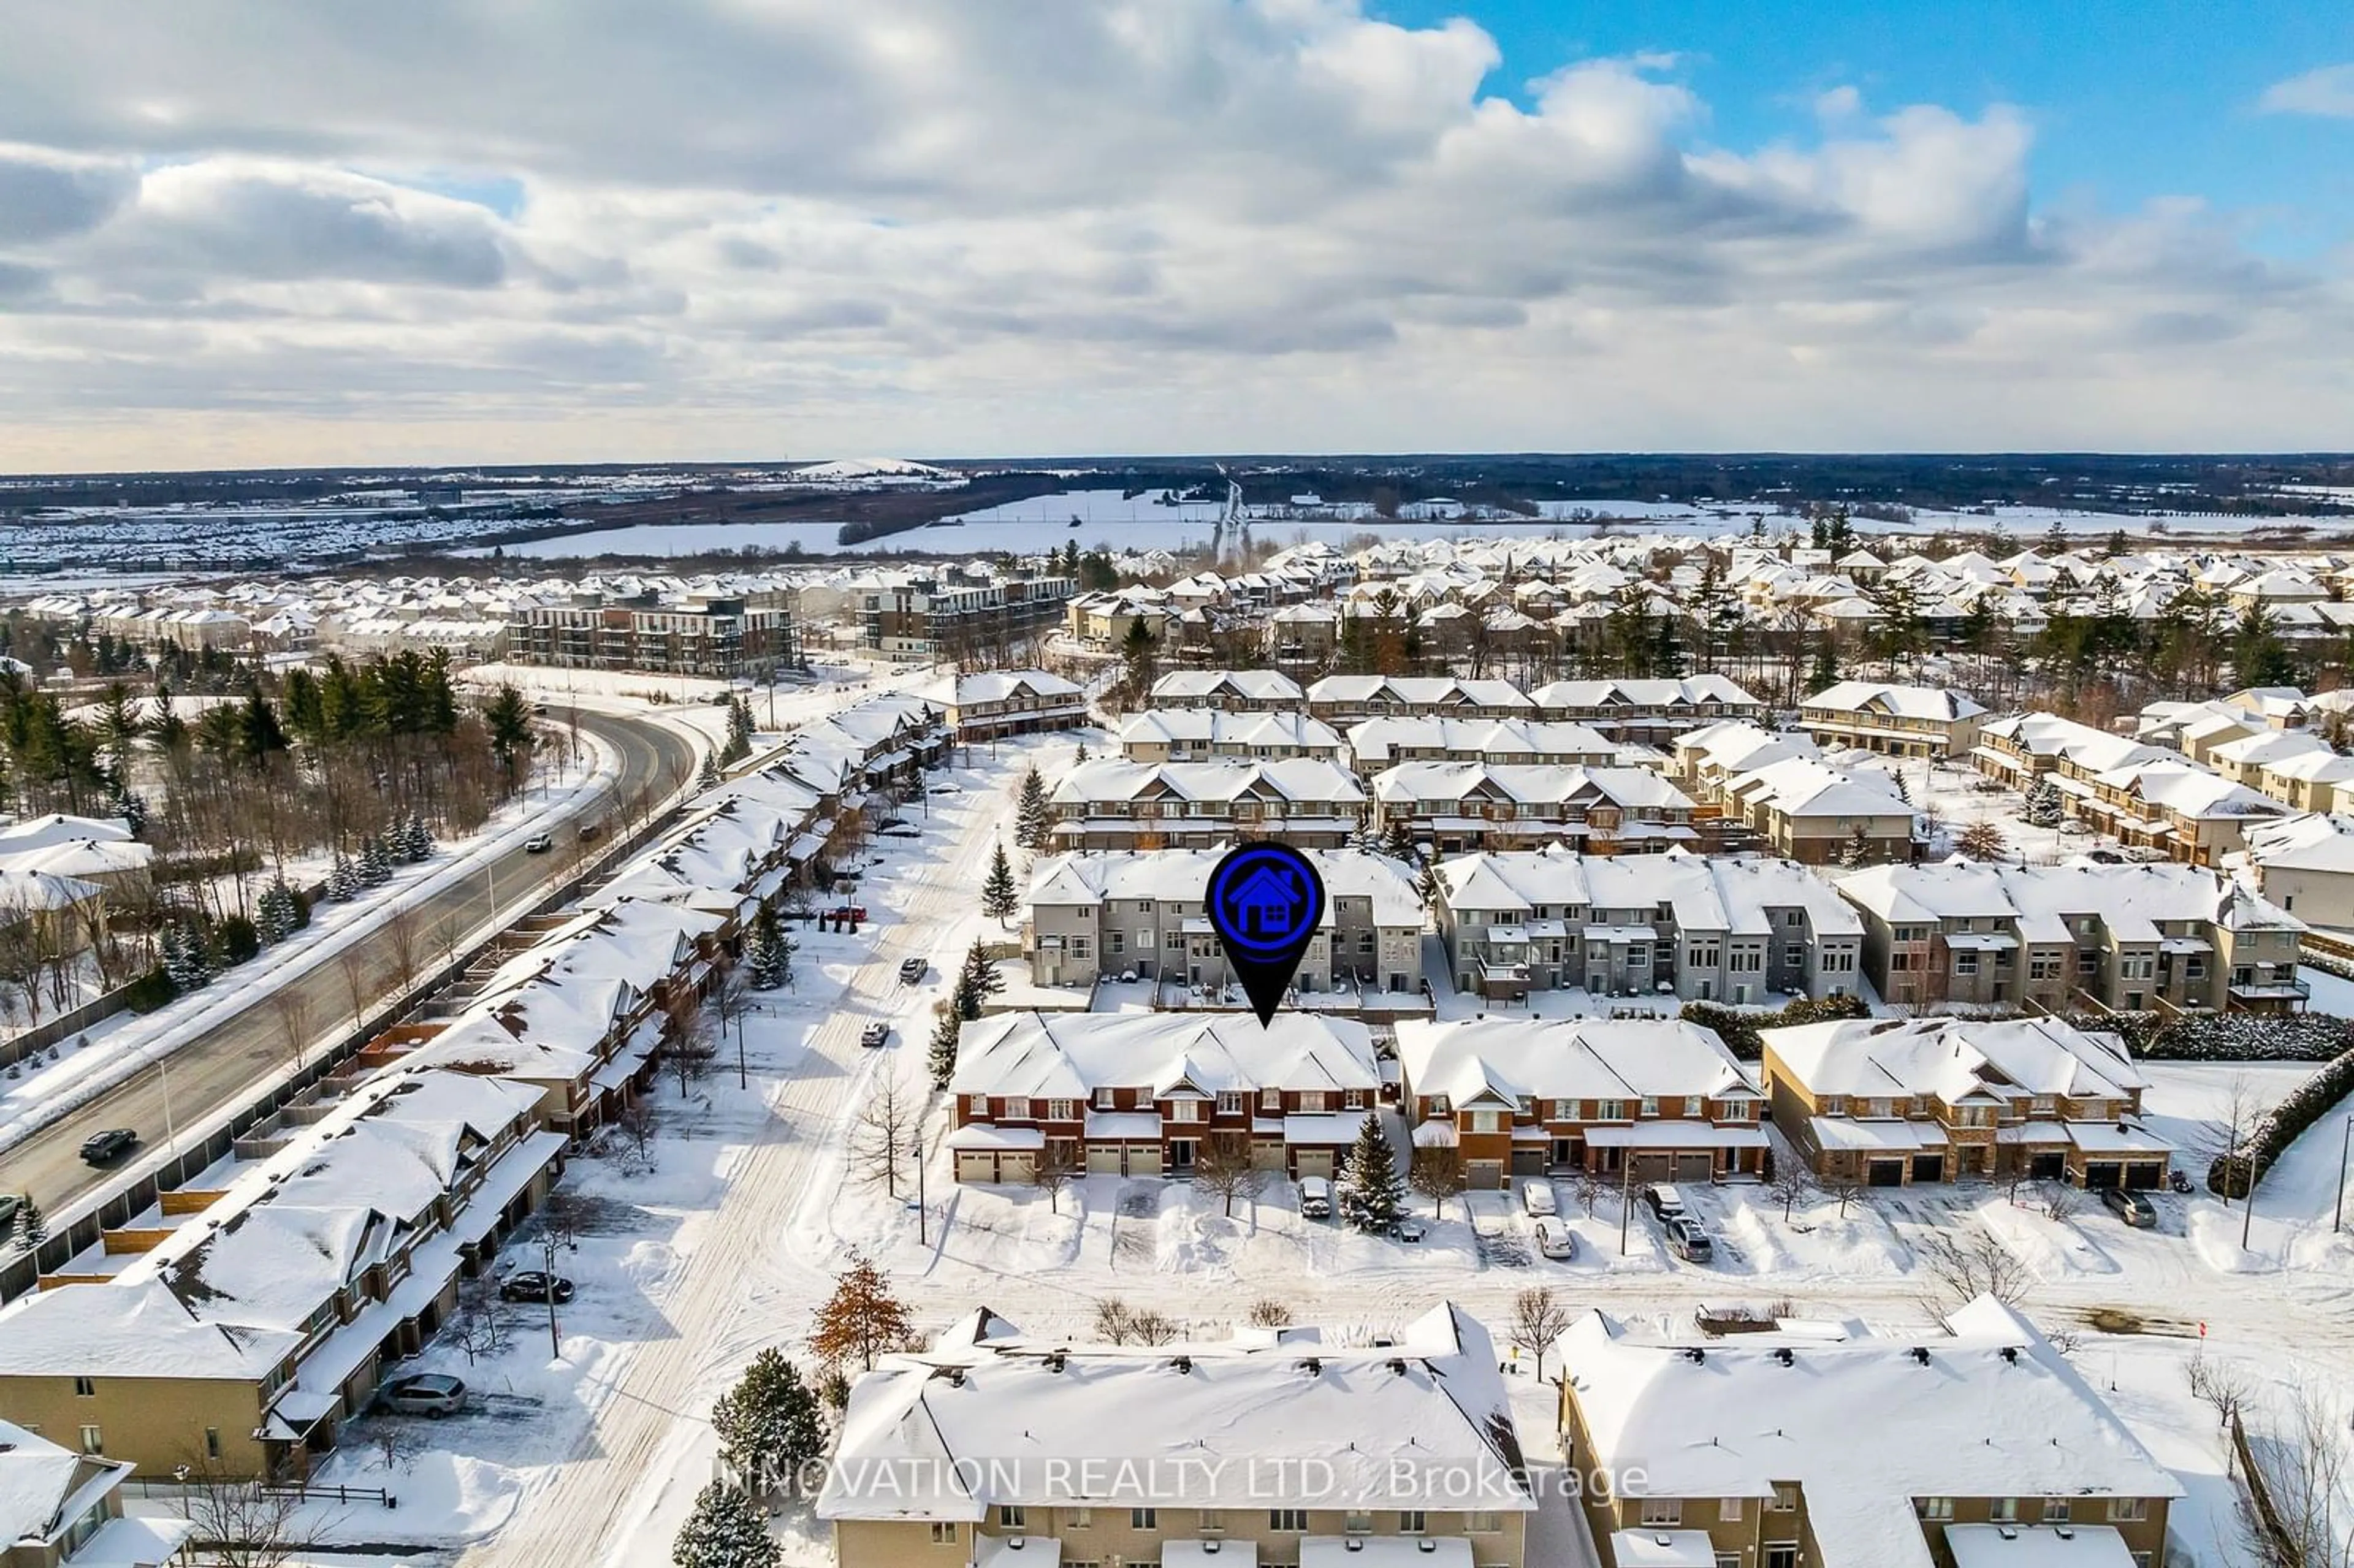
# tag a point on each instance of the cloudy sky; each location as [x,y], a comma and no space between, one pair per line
[247,232]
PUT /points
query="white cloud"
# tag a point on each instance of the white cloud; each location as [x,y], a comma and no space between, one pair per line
[2327,90]
[990,226]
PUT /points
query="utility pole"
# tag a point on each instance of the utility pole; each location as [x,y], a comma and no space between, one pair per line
[923,1214]
[2338,1215]
[554,1344]
[2247,1204]
[1626,1194]
[742,1080]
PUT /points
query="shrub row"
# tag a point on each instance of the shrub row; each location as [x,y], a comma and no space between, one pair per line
[2269,1139]
[1739,1028]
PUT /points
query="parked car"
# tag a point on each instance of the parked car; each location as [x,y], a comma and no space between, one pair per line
[590,829]
[947,790]
[853,913]
[1555,1238]
[533,1286]
[431,1395]
[1687,1241]
[1409,1229]
[1536,1197]
[2179,1179]
[9,1204]
[912,970]
[2074,829]
[539,843]
[1664,1201]
[1315,1198]
[874,1036]
[2131,1207]
[106,1147]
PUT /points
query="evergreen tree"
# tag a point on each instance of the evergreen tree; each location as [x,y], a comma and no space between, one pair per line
[276,914]
[1030,812]
[769,1424]
[2042,809]
[343,882]
[941,1056]
[375,862]
[726,1529]
[1081,754]
[739,730]
[768,955]
[707,776]
[420,838]
[186,961]
[32,1225]
[999,900]
[1825,673]
[507,717]
[1372,1196]
[1858,845]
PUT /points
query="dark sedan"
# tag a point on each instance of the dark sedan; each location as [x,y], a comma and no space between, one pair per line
[533,1286]
[106,1147]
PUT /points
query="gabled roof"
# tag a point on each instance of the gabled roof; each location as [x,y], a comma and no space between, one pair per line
[1569,1058]
[1954,1058]
[1066,1055]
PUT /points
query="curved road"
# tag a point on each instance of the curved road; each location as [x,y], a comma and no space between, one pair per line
[229,1062]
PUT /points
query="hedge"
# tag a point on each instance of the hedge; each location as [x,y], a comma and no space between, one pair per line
[2226,1036]
[1739,1029]
[2278,1128]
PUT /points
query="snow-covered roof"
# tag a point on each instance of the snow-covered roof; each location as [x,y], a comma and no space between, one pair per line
[1569,1058]
[1937,704]
[1314,778]
[1277,731]
[1739,896]
[1070,1054]
[2134,902]
[1863,1426]
[1375,742]
[1180,878]
[1955,1058]
[1531,783]
[968,1425]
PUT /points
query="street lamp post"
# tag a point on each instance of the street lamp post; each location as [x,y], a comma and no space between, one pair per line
[2337,1214]
[923,1214]
[555,1343]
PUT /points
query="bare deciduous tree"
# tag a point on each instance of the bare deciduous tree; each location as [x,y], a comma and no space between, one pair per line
[1962,1268]
[1538,1320]
[1115,1323]
[2223,1386]
[2301,1464]
[1054,1166]
[1846,1189]
[1222,1166]
[1792,1185]
[1266,1312]
[637,1122]
[1150,1328]
[689,1051]
[2221,1135]
[352,964]
[482,1325]
[1436,1173]
[240,1523]
[884,1134]
[291,1006]
[1587,1185]
[404,945]
[2057,1200]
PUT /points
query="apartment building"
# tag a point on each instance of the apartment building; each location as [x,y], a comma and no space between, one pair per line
[715,637]
[59,1509]
[1111,803]
[1142,915]
[1708,928]
[1648,711]
[1346,700]
[916,619]
[1647,1099]
[989,703]
[1193,734]
[2171,939]
[1455,806]
[1278,1447]
[1139,1094]
[1891,1102]
[1901,721]
[1376,744]
[242,1318]
[1229,691]
[1978,1447]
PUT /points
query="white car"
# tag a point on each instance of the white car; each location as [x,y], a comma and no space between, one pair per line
[1536,1197]
[1315,1198]
[1555,1238]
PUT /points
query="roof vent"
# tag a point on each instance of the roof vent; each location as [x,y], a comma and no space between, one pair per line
[956,1377]
[1663,1541]
[1055,1361]
[1210,1547]
[2064,1531]
[1354,1543]
[1920,1353]
[2011,1354]
[1426,1545]
[1397,1365]
[1312,1367]
[1694,1354]
[1183,1363]
[1016,1542]
[1782,1354]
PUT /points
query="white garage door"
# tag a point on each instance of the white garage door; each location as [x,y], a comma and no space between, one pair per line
[1014,1167]
[1103,1159]
[1316,1162]
[1144,1160]
[976,1168]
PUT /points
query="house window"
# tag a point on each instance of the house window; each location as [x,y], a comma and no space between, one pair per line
[1211,1519]
[1082,947]
[1413,1521]
[1230,1102]
[1480,1521]
[1564,1110]
[1487,1121]
[91,1443]
[1270,1099]
[1115,943]
[2055,1510]
[1729,1510]
[1355,1524]
[1013,1516]
[980,1105]
[1061,1110]
[1017,1108]
[1079,1518]
[2122,1511]
[1663,1512]
[1288,1521]
[212,1442]
[1695,1105]
[2003,1511]
[1610,1111]
[943,1533]
[1105,1099]
[1144,1519]
[1651,1105]
[1353,1099]
[1184,1110]
[1439,1104]
[1786,1498]
[1937,1508]
[1966,963]
[1175,940]
[1782,1555]
[1312,1102]
[85,1388]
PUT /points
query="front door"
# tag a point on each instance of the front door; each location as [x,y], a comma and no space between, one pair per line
[1180,1156]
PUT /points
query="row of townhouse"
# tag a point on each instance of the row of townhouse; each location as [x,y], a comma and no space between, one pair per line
[1643,1099]
[2304,865]
[1890,1102]
[989,704]
[2060,939]
[238,1322]
[1141,1094]
[1291,1447]
[1901,721]
[1622,710]
[1197,735]
[1979,1446]
[1723,928]
[1143,914]
[1112,803]
[714,636]
[1376,744]
[919,619]
[1774,789]
[1451,807]
[2148,796]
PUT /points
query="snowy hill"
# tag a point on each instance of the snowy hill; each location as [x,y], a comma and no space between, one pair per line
[862,471]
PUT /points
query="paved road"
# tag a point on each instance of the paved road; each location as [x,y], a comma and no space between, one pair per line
[226,1063]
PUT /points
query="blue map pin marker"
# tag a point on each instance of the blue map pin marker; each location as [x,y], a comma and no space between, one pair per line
[1265,901]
